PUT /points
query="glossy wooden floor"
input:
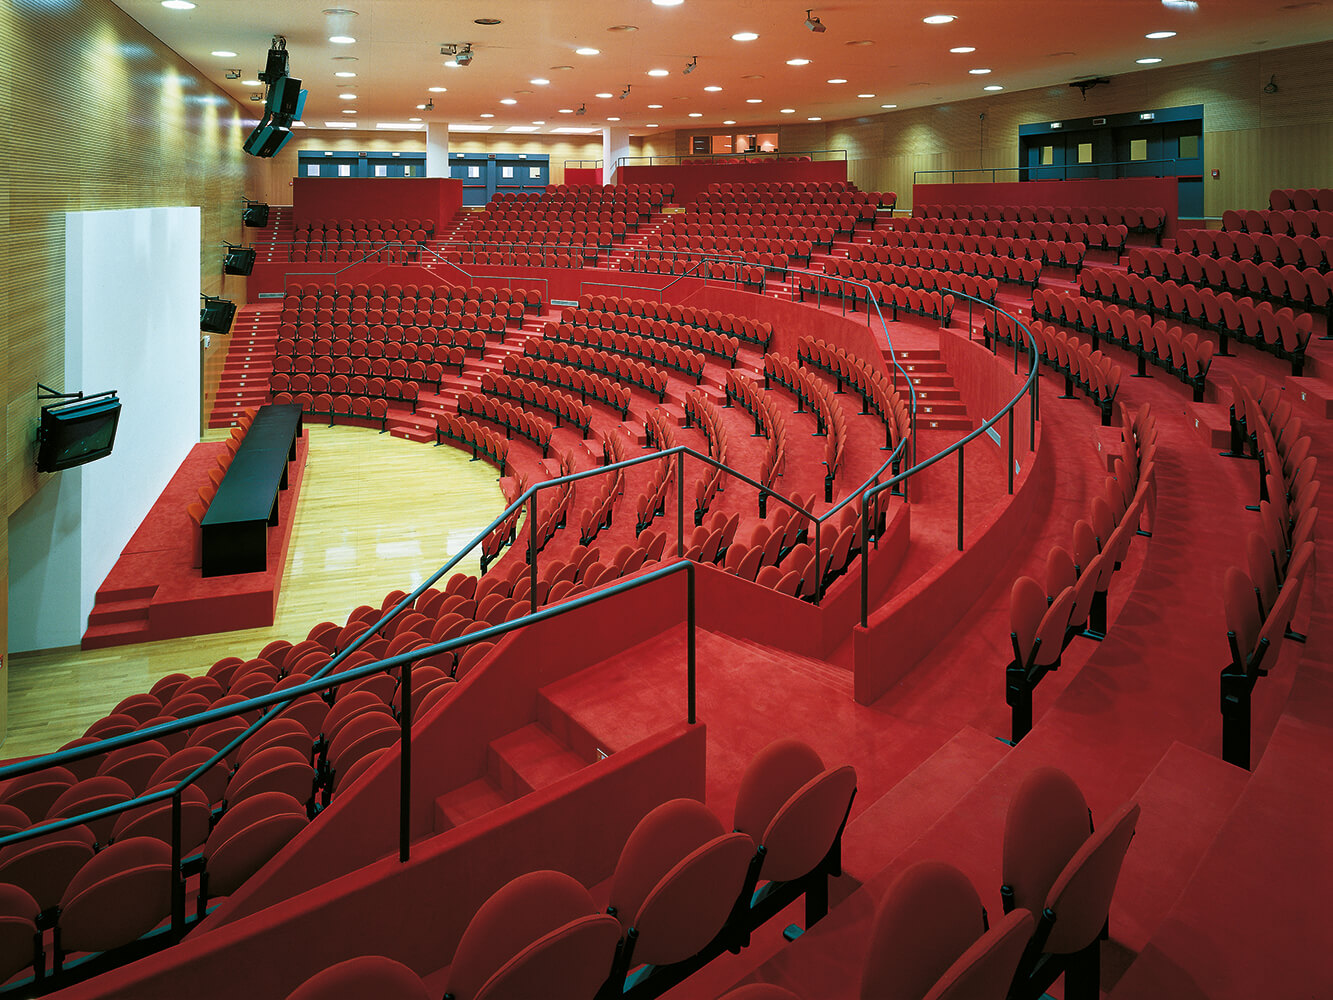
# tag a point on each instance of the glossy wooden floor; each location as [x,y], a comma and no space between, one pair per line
[377,513]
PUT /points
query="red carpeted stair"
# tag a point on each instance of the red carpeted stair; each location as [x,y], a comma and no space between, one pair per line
[244,379]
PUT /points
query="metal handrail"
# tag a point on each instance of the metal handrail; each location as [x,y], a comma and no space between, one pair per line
[546,284]
[824,156]
[1050,166]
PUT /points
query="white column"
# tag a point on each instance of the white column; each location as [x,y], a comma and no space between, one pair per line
[615,144]
[437,149]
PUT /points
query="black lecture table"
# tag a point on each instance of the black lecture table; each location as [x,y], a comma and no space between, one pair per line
[235,528]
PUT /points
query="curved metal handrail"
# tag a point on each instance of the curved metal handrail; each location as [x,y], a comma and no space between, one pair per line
[816,156]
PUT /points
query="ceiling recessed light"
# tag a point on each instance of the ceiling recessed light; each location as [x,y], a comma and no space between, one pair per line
[250,83]
[604,95]
[655,107]
[659,72]
[587,51]
[814,118]
[345,74]
[978,72]
[667,3]
[438,90]
[744,36]
[837,79]
[508,100]
[178,4]
[860,41]
[349,111]
[1181,4]
[414,119]
[488,21]
[712,90]
[962,50]
[541,122]
[487,114]
[421,107]
[729,121]
[798,62]
[561,67]
[696,114]
[786,111]
[993,86]
[652,125]
[888,107]
[612,118]
[753,76]
[939,18]
[865,95]
[1151,34]
[623,27]
[539,81]
[341,39]
[1148,59]
[347,97]
[224,54]
[754,100]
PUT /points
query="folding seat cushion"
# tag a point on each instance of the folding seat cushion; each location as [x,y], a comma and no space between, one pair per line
[1047,822]
[760,991]
[35,792]
[365,976]
[247,836]
[44,866]
[118,896]
[91,794]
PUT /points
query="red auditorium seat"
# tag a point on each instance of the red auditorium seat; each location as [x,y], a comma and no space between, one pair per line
[116,898]
[361,978]
[20,945]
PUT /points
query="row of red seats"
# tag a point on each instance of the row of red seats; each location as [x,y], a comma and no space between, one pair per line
[637,373]
[352,253]
[701,410]
[751,277]
[1301,199]
[420,312]
[350,346]
[829,418]
[610,192]
[1302,251]
[353,225]
[920,291]
[1260,600]
[728,324]
[1285,284]
[1312,222]
[770,422]
[355,411]
[1056,253]
[692,263]
[559,404]
[585,383]
[1091,371]
[545,233]
[1138,219]
[1045,619]
[196,509]
[514,419]
[682,892]
[1095,235]
[770,224]
[597,515]
[653,350]
[650,504]
[422,371]
[516,258]
[481,441]
[405,390]
[1012,269]
[878,391]
[1281,332]
[503,534]
[1185,355]
[553,508]
[762,187]
[345,295]
[719,345]
[779,553]
[786,248]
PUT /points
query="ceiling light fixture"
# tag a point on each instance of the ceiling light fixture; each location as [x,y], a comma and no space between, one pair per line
[659,72]
[604,95]
[691,66]
[508,100]
[729,121]
[962,50]
[993,86]
[754,100]
[837,79]
[696,114]
[1152,34]
[786,111]
[540,81]
[865,95]
[612,118]
[667,3]
[486,21]
[177,4]
[888,107]
[939,18]
[587,51]
[346,74]
[342,39]
[814,23]
[655,107]
[744,36]
[224,54]
[487,114]
[439,90]
[798,62]
[347,97]
[978,72]
[712,90]
[815,118]
[1148,60]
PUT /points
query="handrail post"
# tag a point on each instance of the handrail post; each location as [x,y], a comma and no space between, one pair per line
[1011,451]
[690,664]
[865,558]
[960,498]
[680,506]
[532,547]
[177,880]
[405,766]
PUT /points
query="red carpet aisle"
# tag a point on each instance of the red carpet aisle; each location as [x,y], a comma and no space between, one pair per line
[154,593]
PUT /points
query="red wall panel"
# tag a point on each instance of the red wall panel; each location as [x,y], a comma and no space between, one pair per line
[433,198]
[692,178]
[1122,192]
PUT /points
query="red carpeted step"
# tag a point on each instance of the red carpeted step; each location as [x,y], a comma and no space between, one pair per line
[528,759]
[1212,422]
[411,432]
[121,611]
[1315,395]
[469,802]
[1185,800]
[117,634]
[897,819]
[836,679]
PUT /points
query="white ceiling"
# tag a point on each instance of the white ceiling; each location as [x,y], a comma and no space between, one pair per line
[880,47]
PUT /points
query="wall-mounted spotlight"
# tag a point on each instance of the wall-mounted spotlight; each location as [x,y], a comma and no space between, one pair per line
[624,93]
[458,53]
[691,65]
[238,259]
[814,23]
[582,110]
[233,74]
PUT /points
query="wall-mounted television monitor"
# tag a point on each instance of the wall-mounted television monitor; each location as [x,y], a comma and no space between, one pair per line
[77,432]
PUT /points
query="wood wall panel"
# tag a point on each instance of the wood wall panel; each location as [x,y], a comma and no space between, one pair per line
[98,115]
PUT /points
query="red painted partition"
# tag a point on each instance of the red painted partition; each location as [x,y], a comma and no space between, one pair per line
[433,198]
[692,178]
[1121,192]
[583,175]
